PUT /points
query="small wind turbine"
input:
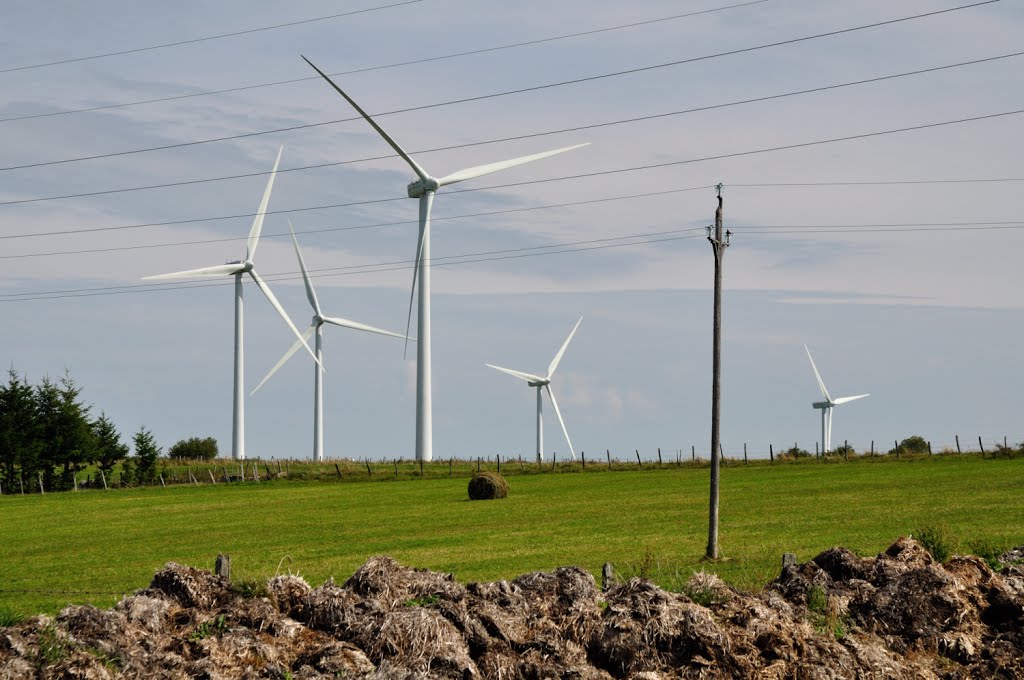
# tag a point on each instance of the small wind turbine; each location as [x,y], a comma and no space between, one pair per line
[545,383]
[826,407]
[424,188]
[317,325]
[237,269]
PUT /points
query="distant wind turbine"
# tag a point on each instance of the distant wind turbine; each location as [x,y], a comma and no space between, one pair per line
[826,407]
[424,188]
[237,269]
[545,383]
[317,325]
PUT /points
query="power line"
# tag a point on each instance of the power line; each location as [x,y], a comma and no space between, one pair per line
[587,175]
[358,226]
[485,256]
[464,100]
[524,252]
[207,38]
[412,62]
[578,128]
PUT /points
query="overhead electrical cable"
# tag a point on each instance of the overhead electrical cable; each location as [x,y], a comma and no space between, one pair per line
[374,225]
[464,100]
[587,175]
[577,128]
[498,255]
[397,64]
[510,253]
[207,38]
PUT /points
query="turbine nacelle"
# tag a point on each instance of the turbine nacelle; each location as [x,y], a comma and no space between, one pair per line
[422,186]
[822,404]
[538,383]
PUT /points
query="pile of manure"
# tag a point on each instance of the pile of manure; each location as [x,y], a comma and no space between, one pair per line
[897,615]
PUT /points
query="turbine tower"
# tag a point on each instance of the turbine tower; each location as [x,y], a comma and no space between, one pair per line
[238,269]
[826,407]
[424,188]
[317,326]
[545,383]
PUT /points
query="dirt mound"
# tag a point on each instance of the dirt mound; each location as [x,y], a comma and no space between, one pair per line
[897,615]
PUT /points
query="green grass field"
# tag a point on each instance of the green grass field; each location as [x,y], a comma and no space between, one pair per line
[92,545]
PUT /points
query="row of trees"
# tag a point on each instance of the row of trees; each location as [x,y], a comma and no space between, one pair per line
[48,433]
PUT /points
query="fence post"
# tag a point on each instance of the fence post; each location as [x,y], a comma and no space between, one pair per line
[210,472]
[872,447]
[337,468]
[450,461]
[522,467]
[929,448]
[659,456]
[846,450]
[41,482]
[396,469]
[745,453]
[982,447]
[957,443]
[497,456]
[896,446]
[554,460]
[609,455]
[421,468]
[21,483]
[369,474]
[255,473]
[638,458]
[771,454]
[74,478]
[816,454]
[693,453]
[583,458]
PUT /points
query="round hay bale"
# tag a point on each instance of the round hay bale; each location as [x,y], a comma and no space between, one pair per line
[487,485]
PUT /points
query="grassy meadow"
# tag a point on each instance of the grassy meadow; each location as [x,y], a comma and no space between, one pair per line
[91,546]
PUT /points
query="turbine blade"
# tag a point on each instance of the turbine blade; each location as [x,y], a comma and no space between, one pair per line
[415,272]
[280,310]
[420,172]
[558,357]
[846,400]
[310,293]
[561,422]
[355,325]
[480,170]
[218,270]
[529,377]
[821,383]
[287,355]
[257,224]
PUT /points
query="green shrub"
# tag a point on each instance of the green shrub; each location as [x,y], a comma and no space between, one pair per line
[937,541]
[795,452]
[486,486]
[912,445]
[194,448]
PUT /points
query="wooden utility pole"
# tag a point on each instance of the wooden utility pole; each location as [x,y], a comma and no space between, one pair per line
[718,245]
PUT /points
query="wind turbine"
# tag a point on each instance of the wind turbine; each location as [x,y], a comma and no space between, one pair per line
[424,189]
[826,407]
[238,269]
[545,383]
[317,326]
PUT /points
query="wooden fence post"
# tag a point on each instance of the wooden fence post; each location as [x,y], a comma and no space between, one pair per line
[478,463]
[396,469]
[609,455]
[583,458]
[929,448]
[369,473]
[872,447]
[693,453]
[745,453]
[255,473]
[982,447]
[74,478]
[771,454]
[896,445]
[554,460]
[41,482]
[522,467]
[957,443]
[846,450]
[210,472]
[497,457]
[21,483]
[450,461]
[638,458]
[337,468]
[659,456]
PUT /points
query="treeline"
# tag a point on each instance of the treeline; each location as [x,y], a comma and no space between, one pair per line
[48,435]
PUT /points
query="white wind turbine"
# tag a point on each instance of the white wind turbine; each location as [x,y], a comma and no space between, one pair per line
[424,189]
[545,383]
[238,269]
[826,407]
[317,326]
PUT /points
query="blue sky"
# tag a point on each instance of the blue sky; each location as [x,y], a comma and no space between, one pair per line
[929,322]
